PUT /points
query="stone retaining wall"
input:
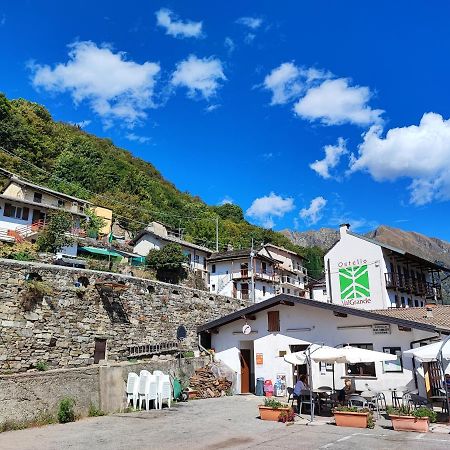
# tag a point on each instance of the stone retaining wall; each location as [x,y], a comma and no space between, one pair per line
[60,329]
[27,396]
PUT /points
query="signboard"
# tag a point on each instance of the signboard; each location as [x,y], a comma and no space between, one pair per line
[354,284]
[381,328]
[259,359]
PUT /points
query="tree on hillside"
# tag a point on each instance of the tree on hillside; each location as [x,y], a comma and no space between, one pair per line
[168,263]
[314,262]
[229,211]
[92,224]
[55,237]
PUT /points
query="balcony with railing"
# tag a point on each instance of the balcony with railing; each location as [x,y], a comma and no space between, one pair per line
[414,286]
[290,281]
[264,275]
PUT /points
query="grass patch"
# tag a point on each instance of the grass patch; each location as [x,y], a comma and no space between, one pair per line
[95,412]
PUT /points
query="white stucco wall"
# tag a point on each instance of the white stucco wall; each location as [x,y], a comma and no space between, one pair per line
[304,325]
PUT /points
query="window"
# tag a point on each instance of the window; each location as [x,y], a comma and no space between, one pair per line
[288,291]
[264,291]
[403,301]
[16,212]
[197,259]
[213,288]
[324,292]
[37,197]
[264,267]
[273,321]
[362,369]
[204,263]
[393,366]
[416,303]
[213,268]
[61,203]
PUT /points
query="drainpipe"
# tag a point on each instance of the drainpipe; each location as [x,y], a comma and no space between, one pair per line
[418,341]
[200,346]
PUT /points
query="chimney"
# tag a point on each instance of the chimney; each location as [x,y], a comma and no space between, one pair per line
[429,312]
[343,228]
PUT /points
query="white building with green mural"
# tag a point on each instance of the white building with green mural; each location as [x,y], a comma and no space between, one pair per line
[365,273]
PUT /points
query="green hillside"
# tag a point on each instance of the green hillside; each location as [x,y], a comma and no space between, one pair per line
[81,164]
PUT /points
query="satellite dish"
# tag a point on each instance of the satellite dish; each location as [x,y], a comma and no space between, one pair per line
[181,333]
[246,329]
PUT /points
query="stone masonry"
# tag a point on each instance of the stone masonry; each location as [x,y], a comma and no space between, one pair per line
[60,329]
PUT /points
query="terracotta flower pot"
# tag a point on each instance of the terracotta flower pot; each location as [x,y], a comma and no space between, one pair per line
[410,423]
[351,419]
[192,394]
[267,413]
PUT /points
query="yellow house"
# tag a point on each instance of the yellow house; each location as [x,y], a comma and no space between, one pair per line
[106,215]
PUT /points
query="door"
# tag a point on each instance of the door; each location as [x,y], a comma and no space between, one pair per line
[244,291]
[38,215]
[433,378]
[245,357]
[100,350]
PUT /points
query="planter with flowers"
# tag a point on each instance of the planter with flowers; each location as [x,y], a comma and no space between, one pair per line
[347,416]
[272,409]
[405,419]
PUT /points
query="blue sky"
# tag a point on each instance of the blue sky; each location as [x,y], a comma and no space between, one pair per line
[306,114]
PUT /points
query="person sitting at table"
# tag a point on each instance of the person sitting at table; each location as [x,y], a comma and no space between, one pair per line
[301,385]
[446,382]
[346,391]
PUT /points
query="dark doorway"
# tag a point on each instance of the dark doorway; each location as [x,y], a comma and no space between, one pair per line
[38,215]
[100,350]
[245,370]
[301,369]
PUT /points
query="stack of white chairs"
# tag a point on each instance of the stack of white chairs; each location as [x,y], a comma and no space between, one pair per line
[147,387]
[132,388]
[164,391]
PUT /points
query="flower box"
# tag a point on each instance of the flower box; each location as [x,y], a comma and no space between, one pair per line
[268,413]
[351,419]
[409,423]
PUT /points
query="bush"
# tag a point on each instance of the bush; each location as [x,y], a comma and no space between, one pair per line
[21,251]
[34,292]
[65,412]
[55,237]
[275,404]
[42,366]
[422,411]
[95,412]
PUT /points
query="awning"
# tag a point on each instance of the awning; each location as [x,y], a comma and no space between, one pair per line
[430,352]
[101,251]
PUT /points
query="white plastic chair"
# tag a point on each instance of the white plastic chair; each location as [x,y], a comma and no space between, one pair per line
[165,391]
[143,388]
[152,392]
[132,388]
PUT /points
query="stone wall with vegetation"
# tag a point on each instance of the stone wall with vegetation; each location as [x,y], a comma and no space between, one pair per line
[51,316]
[35,396]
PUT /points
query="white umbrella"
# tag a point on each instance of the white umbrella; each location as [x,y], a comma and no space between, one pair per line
[429,352]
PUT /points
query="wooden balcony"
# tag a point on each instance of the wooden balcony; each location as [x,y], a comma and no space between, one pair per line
[413,286]
[258,275]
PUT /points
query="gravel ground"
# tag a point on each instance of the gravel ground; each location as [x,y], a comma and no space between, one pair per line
[225,423]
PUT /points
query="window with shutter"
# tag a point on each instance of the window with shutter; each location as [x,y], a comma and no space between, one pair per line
[273,321]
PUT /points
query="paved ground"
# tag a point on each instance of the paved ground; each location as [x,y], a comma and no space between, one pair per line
[226,423]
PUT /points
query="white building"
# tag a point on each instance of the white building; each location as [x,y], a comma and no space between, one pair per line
[231,274]
[285,324]
[368,274]
[156,236]
[318,290]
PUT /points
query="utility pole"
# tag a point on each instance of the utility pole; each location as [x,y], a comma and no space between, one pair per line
[217,233]
[252,255]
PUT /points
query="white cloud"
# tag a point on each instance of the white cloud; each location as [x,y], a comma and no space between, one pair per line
[177,28]
[313,213]
[136,138]
[211,108]
[250,22]
[418,152]
[199,76]
[333,154]
[81,124]
[227,200]
[264,209]
[114,87]
[319,95]
[229,45]
[335,102]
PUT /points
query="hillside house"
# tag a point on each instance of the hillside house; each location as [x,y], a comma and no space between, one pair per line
[158,235]
[275,270]
[318,290]
[253,342]
[369,274]
[25,206]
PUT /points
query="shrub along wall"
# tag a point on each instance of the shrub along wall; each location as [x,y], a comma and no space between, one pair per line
[54,316]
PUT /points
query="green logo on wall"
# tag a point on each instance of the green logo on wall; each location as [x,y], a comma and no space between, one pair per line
[354,282]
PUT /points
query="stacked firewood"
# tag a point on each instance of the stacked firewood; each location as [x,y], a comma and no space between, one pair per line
[207,385]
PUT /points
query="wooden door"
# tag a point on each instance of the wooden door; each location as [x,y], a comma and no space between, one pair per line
[245,371]
[100,350]
[433,378]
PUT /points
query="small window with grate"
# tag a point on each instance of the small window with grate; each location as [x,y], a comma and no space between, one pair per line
[273,321]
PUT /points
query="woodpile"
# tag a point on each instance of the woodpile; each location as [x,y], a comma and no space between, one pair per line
[207,385]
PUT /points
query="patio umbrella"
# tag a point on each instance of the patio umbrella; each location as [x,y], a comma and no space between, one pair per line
[439,351]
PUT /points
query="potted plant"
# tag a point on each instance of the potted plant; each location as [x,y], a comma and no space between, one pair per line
[347,416]
[405,419]
[271,409]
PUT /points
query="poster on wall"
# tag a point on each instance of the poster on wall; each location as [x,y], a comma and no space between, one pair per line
[280,385]
[259,359]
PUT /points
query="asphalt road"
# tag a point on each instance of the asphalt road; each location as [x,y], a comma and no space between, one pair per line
[226,423]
